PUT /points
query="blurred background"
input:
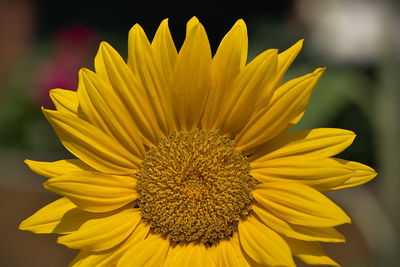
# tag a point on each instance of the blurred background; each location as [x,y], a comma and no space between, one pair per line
[44,43]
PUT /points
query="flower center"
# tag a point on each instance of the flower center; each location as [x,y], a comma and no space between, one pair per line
[194,187]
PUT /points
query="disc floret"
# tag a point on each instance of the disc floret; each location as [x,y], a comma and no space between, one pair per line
[195,187]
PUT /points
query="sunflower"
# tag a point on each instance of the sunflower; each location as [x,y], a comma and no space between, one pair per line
[186,159]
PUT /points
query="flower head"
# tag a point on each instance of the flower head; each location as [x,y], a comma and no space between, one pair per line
[185,159]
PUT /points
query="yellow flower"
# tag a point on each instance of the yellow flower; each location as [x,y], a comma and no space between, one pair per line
[185,159]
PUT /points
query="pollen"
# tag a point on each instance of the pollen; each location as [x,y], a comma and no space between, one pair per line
[195,187]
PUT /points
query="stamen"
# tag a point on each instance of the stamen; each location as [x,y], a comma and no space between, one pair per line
[194,187]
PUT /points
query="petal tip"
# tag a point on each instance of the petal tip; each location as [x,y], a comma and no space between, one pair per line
[194,19]
[135,29]
[319,71]
[164,22]
[54,91]
[240,23]
[48,186]
[47,112]
[82,70]
[60,240]
[370,173]
[192,24]
[103,44]
[22,226]
[26,225]
[346,218]
[352,135]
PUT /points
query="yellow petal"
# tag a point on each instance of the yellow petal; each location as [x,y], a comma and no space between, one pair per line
[91,145]
[149,252]
[315,143]
[191,77]
[110,257]
[287,103]
[60,217]
[132,94]
[227,63]
[140,233]
[310,252]
[190,255]
[319,173]
[45,220]
[65,100]
[263,245]
[324,234]
[144,66]
[191,24]
[89,259]
[285,59]
[229,253]
[100,65]
[101,106]
[94,191]
[103,233]
[299,204]
[297,119]
[57,168]
[362,174]
[164,49]
[247,88]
